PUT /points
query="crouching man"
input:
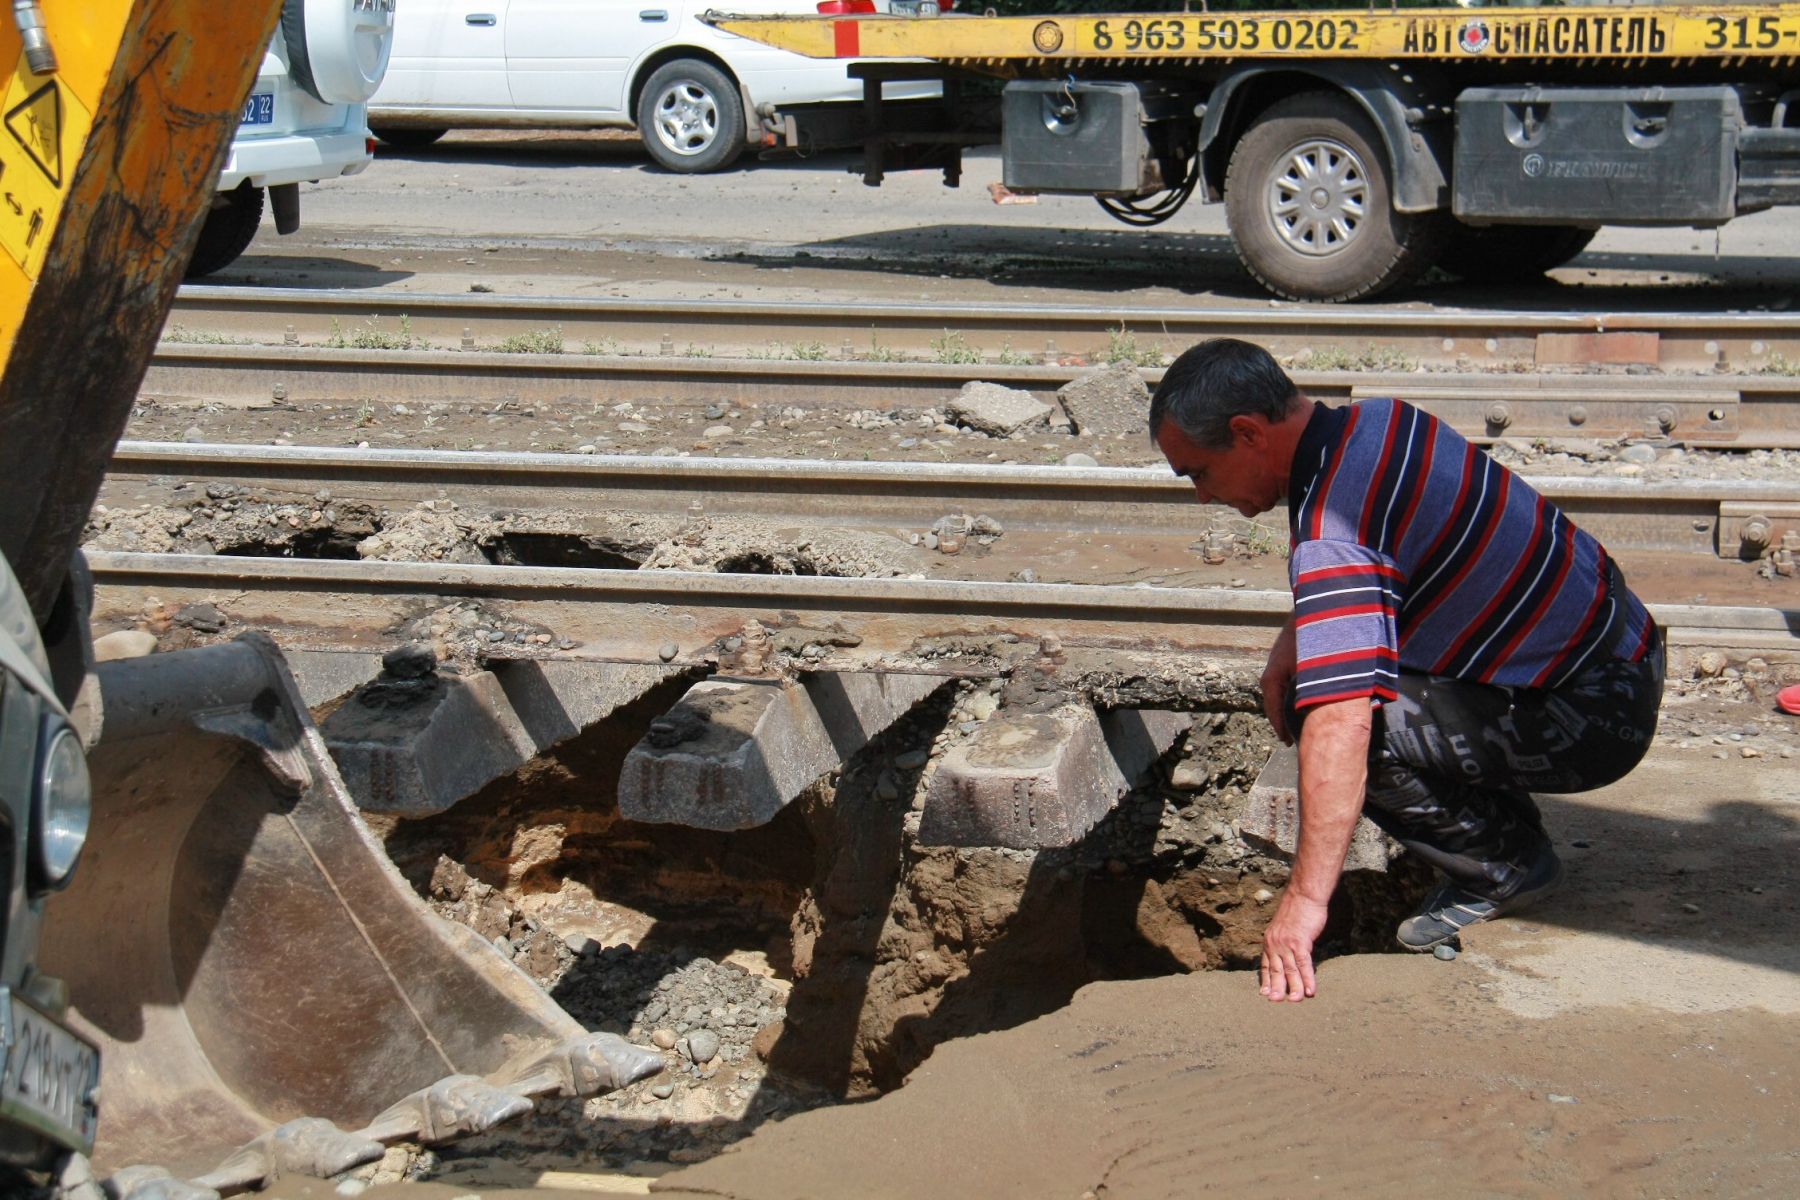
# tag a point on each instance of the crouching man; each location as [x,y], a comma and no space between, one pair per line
[1456,643]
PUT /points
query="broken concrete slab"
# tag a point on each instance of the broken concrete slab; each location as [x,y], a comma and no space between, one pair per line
[996,410]
[419,746]
[557,699]
[422,755]
[123,644]
[1037,780]
[1270,819]
[328,674]
[1112,401]
[734,753]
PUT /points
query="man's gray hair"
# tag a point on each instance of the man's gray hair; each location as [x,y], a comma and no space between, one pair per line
[1215,381]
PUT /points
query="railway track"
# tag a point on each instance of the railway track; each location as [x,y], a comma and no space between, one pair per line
[258,346]
[1688,340]
[1728,519]
[1048,513]
[679,617]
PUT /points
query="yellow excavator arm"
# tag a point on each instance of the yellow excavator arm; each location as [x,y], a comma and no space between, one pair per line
[107,165]
[223,942]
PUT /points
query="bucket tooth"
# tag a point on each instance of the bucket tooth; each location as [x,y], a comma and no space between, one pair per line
[586,1066]
[418,749]
[733,753]
[1270,817]
[238,944]
[153,1183]
[457,1106]
[310,1146]
[1037,780]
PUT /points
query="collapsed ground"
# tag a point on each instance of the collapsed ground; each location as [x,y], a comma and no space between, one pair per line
[826,955]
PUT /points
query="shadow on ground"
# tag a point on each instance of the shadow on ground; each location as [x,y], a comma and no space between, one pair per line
[280,270]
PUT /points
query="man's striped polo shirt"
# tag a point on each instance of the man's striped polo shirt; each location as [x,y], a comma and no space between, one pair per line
[1413,550]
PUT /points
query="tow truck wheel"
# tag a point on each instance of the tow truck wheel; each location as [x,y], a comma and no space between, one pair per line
[228,230]
[691,116]
[1309,203]
[1512,253]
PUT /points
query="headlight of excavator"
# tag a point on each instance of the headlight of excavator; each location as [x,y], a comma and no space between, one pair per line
[62,806]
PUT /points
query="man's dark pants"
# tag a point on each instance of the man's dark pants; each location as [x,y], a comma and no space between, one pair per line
[1452,764]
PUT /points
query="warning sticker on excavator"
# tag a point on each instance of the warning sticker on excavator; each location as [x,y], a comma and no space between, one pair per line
[45,127]
[36,124]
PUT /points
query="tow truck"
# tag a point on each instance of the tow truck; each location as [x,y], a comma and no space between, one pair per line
[1354,148]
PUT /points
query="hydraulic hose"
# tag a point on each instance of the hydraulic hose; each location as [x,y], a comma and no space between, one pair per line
[30,20]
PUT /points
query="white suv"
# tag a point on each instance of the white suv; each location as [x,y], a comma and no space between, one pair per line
[699,96]
[306,120]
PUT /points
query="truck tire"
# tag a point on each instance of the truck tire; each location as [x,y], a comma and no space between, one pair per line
[691,116]
[227,231]
[337,49]
[405,137]
[1512,253]
[1309,203]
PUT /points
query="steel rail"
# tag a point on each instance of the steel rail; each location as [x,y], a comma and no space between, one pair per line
[1481,337]
[637,615]
[1729,410]
[1702,517]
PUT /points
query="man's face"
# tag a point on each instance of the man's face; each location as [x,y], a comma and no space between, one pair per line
[1242,475]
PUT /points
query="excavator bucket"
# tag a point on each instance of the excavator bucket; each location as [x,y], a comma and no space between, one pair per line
[246,956]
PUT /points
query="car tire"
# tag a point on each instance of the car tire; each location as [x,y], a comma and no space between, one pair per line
[407,138]
[227,232]
[1512,253]
[691,117]
[1342,239]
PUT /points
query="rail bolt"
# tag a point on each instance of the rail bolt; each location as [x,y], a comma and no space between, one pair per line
[1578,415]
[1756,533]
[1499,414]
[1664,416]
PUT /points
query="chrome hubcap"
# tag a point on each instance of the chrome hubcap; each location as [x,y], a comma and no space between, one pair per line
[687,118]
[1318,198]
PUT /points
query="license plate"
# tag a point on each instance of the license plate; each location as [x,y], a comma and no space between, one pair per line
[50,1078]
[259,109]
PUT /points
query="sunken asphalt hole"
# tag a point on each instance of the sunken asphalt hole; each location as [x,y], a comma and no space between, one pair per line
[873,948]
[557,550]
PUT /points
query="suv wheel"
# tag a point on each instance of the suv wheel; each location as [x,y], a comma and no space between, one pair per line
[691,117]
[228,230]
[407,137]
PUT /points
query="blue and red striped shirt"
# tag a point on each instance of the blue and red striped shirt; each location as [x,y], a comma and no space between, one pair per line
[1413,550]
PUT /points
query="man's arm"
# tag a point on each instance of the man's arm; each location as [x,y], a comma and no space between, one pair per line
[1277,677]
[1334,767]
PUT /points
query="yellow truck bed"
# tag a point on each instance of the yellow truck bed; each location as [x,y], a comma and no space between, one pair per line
[1045,44]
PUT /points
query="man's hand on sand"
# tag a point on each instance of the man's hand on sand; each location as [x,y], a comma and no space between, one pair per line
[1287,964]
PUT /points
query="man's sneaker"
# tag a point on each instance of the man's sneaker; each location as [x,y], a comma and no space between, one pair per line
[1450,909]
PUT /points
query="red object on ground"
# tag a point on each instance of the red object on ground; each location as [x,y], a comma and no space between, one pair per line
[1788,699]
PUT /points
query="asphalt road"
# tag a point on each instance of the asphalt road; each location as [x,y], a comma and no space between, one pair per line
[578,205]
